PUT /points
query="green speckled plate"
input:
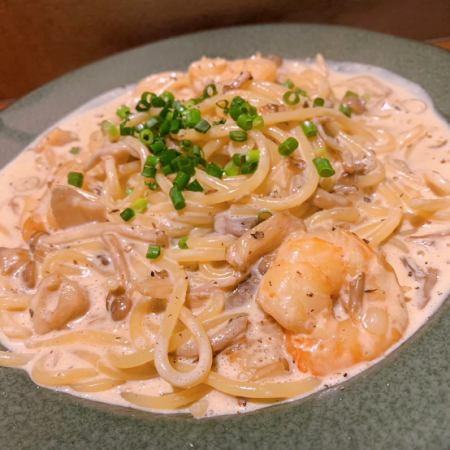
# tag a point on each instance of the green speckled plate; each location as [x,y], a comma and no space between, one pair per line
[402,402]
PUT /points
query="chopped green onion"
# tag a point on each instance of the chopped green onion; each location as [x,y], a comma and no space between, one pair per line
[236,107]
[123,112]
[214,170]
[210,90]
[158,146]
[195,186]
[139,205]
[318,101]
[148,172]
[168,156]
[238,159]
[288,146]
[346,109]
[219,122]
[184,163]
[75,150]
[231,169]
[75,179]
[182,243]
[203,126]
[238,136]
[291,98]
[175,126]
[289,84]
[191,117]
[253,156]
[158,102]
[168,98]
[258,122]
[152,161]
[141,106]
[186,144]
[110,130]
[324,168]
[245,122]
[309,128]
[177,198]
[146,136]
[168,169]
[264,215]
[181,180]
[126,131]
[248,167]
[165,127]
[153,185]
[153,251]
[127,214]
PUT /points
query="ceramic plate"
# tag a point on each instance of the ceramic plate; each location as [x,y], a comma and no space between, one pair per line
[402,402]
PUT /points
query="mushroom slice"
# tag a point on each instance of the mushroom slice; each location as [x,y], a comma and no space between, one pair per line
[220,340]
[58,300]
[260,240]
[71,207]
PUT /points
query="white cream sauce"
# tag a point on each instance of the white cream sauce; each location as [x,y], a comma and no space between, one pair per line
[407,106]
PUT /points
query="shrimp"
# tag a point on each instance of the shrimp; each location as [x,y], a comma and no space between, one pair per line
[338,301]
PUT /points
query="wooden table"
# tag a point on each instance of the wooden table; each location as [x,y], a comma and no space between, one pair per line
[440,42]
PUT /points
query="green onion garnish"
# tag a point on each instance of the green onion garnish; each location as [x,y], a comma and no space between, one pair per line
[195,186]
[110,130]
[238,136]
[318,101]
[177,198]
[324,168]
[238,159]
[309,128]
[231,169]
[288,146]
[139,205]
[167,156]
[127,214]
[214,170]
[182,243]
[75,150]
[258,122]
[146,136]
[264,215]
[346,109]
[181,180]
[210,90]
[125,131]
[291,98]
[253,156]
[248,167]
[153,251]
[191,117]
[245,122]
[148,172]
[168,169]
[203,126]
[75,179]
[289,84]
[350,94]
[158,146]
[123,112]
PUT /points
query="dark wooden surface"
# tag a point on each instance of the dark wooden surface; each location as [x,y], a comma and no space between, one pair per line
[43,39]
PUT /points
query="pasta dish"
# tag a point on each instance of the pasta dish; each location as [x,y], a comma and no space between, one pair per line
[216,240]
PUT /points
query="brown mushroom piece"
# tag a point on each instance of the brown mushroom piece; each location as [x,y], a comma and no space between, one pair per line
[118,304]
[58,301]
[72,206]
[260,240]
[220,340]
[226,223]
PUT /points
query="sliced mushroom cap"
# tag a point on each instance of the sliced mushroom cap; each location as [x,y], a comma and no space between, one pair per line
[260,240]
[225,223]
[71,207]
[221,339]
[58,301]
[12,259]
